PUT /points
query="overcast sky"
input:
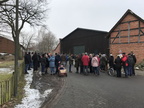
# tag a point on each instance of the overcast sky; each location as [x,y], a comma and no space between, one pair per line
[65,16]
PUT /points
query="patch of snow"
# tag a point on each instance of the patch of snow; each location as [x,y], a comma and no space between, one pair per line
[3,53]
[33,98]
[137,68]
[6,70]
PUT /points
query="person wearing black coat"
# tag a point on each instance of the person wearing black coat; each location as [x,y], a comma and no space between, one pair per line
[57,61]
[35,59]
[27,62]
[29,55]
[135,60]
[43,64]
[118,66]
[111,61]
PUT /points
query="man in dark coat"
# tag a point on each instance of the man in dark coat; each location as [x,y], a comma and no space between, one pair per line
[27,62]
[29,56]
[134,58]
[35,61]
[118,65]
[130,64]
[111,61]
[57,61]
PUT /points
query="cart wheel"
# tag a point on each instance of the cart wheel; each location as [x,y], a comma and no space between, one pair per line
[66,75]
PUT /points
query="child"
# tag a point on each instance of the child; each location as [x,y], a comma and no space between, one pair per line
[62,70]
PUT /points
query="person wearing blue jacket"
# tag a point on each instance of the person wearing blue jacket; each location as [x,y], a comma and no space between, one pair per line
[52,64]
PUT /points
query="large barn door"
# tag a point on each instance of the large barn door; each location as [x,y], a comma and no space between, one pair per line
[79,49]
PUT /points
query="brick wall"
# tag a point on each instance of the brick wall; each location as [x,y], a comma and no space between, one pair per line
[137,48]
[123,42]
[6,46]
[57,49]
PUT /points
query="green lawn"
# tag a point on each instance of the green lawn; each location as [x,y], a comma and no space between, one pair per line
[4,77]
[7,64]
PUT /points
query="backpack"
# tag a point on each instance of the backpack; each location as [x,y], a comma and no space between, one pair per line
[130,61]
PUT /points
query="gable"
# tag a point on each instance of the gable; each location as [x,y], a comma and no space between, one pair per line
[129,29]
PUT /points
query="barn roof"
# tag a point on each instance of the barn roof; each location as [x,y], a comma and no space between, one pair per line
[126,13]
[83,29]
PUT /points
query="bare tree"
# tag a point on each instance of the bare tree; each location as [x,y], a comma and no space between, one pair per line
[27,40]
[47,42]
[32,12]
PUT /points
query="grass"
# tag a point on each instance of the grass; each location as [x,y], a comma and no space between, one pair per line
[21,83]
[4,77]
[5,64]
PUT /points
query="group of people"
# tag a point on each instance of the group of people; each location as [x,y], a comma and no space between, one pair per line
[95,63]
[44,61]
[84,63]
[125,61]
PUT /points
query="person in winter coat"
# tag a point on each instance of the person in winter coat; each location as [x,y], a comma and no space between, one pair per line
[131,63]
[52,64]
[90,66]
[47,63]
[29,67]
[57,62]
[103,62]
[111,61]
[134,58]
[81,64]
[95,64]
[77,63]
[35,59]
[27,62]
[85,60]
[70,62]
[125,64]
[43,64]
[118,65]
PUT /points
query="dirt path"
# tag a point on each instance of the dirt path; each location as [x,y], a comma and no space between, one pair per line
[45,82]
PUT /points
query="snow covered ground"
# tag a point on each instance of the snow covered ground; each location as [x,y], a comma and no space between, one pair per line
[33,98]
[6,70]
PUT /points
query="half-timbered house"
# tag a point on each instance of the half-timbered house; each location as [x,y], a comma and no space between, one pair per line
[128,35]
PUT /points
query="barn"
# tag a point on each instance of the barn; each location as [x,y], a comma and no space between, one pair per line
[85,40]
[128,35]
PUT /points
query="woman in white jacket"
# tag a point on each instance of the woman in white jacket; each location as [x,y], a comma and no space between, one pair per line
[95,64]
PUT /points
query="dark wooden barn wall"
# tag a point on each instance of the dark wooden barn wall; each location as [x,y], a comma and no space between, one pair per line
[94,41]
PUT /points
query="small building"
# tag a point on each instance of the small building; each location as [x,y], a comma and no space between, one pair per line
[6,45]
[85,40]
[128,35]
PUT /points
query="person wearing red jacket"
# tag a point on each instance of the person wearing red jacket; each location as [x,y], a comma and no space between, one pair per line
[125,64]
[85,60]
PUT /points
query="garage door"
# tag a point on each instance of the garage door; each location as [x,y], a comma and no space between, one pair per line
[79,49]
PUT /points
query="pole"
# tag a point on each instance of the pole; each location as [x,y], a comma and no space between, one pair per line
[16,52]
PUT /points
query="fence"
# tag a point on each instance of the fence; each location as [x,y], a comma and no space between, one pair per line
[7,86]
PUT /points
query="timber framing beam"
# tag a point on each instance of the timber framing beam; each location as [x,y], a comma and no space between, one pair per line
[129,29]
[129,21]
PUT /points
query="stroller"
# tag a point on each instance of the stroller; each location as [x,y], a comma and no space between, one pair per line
[62,71]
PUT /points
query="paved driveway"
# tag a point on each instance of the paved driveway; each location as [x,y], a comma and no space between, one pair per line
[102,91]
